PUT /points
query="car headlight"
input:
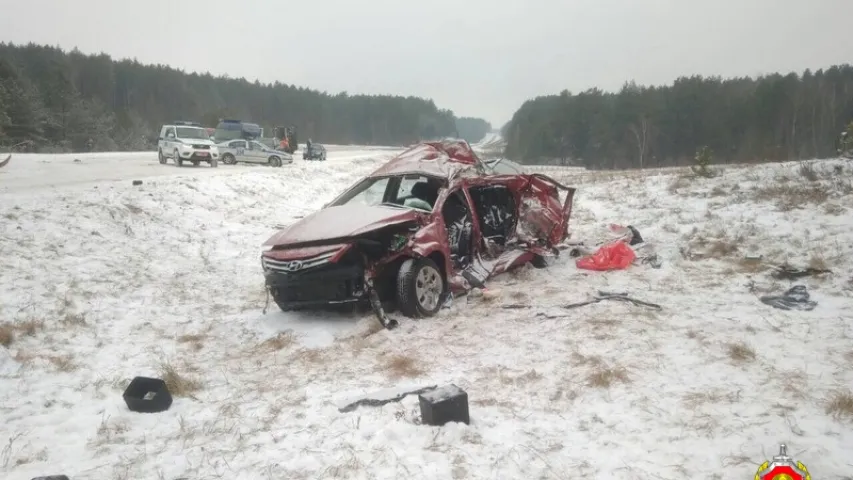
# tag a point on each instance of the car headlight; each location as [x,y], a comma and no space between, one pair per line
[265,248]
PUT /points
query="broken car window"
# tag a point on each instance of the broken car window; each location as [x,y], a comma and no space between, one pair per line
[418,191]
[369,192]
[503,166]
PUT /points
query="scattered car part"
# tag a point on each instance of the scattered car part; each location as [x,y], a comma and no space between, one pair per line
[602,295]
[380,398]
[795,298]
[787,272]
[443,405]
[147,395]
[6,161]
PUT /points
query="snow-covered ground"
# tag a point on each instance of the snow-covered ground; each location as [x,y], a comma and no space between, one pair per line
[105,281]
[28,171]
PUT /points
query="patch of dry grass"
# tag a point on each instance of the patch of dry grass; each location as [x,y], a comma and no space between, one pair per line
[740,352]
[792,195]
[279,342]
[7,334]
[507,376]
[109,432]
[833,209]
[10,331]
[747,265]
[196,340]
[29,327]
[399,365]
[678,183]
[807,171]
[605,377]
[179,384]
[718,191]
[818,262]
[840,405]
[697,398]
[63,363]
[600,375]
[74,320]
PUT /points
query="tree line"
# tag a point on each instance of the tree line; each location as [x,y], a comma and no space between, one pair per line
[56,101]
[769,118]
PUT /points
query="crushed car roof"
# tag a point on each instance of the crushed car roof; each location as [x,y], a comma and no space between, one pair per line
[445,159]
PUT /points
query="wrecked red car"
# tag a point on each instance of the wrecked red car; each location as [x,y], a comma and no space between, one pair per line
[434,220]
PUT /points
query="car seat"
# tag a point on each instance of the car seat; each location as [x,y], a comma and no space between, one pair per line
[426,192]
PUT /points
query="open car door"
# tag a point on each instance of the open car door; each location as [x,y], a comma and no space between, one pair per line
[542,215]
[532,225]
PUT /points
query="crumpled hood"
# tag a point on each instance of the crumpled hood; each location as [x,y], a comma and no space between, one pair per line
[341,222]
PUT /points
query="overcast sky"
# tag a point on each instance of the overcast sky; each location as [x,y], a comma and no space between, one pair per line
[479,58]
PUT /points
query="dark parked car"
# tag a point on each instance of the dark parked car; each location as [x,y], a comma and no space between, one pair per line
[314,151]
[433,220]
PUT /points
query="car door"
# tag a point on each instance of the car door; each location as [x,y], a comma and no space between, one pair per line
[170,140]
[540,218]
[258,152]
[239,147]
[542,214]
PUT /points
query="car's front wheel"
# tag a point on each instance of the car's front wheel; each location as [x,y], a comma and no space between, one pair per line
[420,288]
[160,156]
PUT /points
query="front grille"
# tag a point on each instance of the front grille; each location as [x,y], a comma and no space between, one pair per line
[315,280]
[321,291]
[294,266]
[201,147]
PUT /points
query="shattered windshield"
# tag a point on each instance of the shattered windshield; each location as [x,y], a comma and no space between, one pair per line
[369,192]
[503,166]
[405,191]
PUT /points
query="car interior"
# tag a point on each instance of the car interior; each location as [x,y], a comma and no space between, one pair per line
[457,221]
[495,206]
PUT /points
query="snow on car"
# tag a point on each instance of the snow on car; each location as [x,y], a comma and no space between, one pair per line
[434,220]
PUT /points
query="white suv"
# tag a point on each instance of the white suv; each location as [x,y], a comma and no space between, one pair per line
[186,142]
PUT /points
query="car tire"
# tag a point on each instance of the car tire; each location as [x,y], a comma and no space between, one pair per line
[178,161]
[421,288]
[323,157]
[274,161]
[229,159]
[214,163]
[160,157]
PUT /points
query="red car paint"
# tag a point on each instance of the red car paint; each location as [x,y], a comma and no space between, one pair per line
[540,219]
[343,221]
